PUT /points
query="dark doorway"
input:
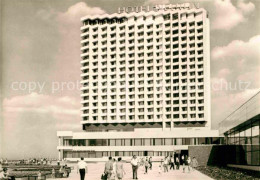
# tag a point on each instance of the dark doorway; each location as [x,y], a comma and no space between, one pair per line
[145,153]
[183,153]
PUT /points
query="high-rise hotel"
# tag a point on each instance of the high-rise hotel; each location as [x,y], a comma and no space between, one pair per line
[145,83]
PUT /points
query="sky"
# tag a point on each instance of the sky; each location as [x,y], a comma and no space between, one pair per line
[40,65]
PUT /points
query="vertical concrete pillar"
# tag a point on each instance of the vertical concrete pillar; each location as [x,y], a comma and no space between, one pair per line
[163,125]
[59,155]
[172,125]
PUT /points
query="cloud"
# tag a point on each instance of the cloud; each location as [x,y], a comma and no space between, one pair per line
[238,48]
[35,119]
[58,107]
[224,72]
[238,61]
[75,12]
[228,16]
[68,55]
[49,51]
[246,7]
[236,76]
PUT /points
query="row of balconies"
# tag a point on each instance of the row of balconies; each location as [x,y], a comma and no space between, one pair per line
[141,63]
[112,25]
[148,117]
[141,39]
[150,101]
[141,104]
[146,107]
[140,48]
[131,36]
[148,76]
[142,100]
[183,114]
[141,95]
[183,85]
[143,111]
[166,89]
[141,66]
[131,57]
[111,29]
[175,83]
[184,69]
[149,53]
[154,89]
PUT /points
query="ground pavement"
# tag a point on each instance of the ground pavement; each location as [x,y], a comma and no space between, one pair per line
[95,170]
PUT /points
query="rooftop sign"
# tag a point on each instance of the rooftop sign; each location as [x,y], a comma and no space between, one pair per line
[165,7]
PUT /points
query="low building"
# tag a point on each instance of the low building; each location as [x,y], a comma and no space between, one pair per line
[241,128]
[141,142]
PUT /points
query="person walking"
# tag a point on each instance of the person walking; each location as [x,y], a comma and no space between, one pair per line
[188,162]
[165,164]
[82,168]
[177,163]
[146,164]
[109,168]
[120,169]
[172,163]
[113,174]
[151,162]
[184,163]
[134,163]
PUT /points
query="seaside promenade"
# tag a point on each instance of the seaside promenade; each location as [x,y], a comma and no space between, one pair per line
[95,170]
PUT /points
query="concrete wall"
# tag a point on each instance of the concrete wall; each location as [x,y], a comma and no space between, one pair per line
[221,155]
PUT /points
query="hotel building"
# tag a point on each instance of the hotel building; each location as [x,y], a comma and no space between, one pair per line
[145,85]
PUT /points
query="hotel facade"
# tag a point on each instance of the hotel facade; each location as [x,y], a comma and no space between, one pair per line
[145,84]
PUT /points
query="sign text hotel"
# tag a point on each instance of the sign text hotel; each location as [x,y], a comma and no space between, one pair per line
[165,7]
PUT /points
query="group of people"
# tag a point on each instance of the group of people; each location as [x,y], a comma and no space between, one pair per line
[30,161]
[174,163]
[166,164]
[114,169]
[146,163]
